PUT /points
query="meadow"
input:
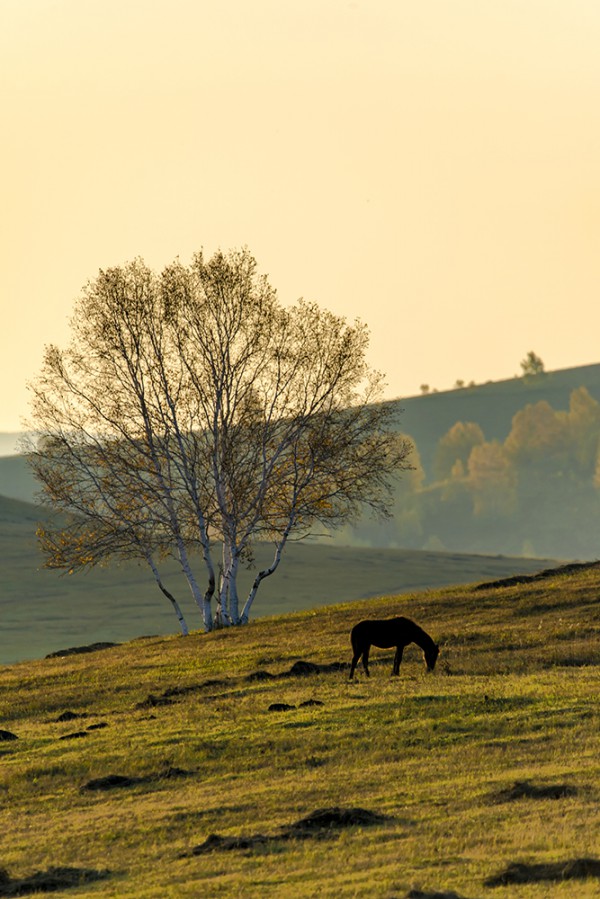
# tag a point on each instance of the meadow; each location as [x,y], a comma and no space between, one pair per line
[243,763]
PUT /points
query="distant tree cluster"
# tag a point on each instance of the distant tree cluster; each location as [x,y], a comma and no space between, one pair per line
[536,492]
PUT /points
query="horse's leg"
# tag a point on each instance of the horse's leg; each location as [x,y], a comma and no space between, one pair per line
[397,660]
[365,656]
[355,659]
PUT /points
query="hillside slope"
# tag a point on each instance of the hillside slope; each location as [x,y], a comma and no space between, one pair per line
[43,611]
[243,763]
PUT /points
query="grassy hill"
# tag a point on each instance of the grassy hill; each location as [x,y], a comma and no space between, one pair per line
[43,611]
[160,768]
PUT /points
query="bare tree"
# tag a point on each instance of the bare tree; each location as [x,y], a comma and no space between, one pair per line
[224,417]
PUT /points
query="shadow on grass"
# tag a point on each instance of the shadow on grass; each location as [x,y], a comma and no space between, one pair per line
[572,869]
[524,789]
[319,824]
[48,881]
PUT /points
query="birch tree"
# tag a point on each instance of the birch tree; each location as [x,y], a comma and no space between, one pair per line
[218,418]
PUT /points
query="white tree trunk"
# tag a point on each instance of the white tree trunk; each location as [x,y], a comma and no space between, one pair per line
[202,600]
[267,572]
[234,602]
[172,600]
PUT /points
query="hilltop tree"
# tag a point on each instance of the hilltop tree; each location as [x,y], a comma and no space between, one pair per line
[532,366]
[196,415]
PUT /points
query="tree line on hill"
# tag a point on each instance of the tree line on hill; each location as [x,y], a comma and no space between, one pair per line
[535,493]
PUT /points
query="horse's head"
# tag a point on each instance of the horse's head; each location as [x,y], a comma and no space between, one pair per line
[431,654]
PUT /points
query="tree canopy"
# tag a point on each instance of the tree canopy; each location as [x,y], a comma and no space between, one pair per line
[192,414]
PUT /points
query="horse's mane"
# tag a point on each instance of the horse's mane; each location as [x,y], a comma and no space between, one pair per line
[423,639]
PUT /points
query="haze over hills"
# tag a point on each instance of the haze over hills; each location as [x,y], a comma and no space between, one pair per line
[525,483]
[425,418]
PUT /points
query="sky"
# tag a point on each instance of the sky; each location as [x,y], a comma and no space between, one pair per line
[431,167]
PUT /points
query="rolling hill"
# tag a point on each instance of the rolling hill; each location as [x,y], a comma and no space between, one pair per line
[42,611]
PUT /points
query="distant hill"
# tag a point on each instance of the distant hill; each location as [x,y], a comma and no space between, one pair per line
[424,418]
[42,611]
[8,443]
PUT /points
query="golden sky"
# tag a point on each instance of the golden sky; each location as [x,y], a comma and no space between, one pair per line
[432,167]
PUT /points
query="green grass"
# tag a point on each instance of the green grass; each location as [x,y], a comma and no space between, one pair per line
[513,698]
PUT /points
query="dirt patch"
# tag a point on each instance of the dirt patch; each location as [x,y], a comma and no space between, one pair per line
[69,716]
[280,707]
[524,789]
[7,735]
[573,869]
[48,881]
[319,824]
[77,650]
[76,735]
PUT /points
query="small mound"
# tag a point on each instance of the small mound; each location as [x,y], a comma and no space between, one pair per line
[76,735]
[170,771]
[69,716]
[310,702]
[77,650]
[215,842]
[48,881]
[303,669]
[280,707]
[573,869]
[260,675]
[112,781]
[118,781]
[570,568]
[99,726]
[334,818]
[7,735]
[152,701]
[432,894]
[318,824]
[524,789]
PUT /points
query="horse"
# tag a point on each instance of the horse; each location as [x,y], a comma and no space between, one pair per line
[385,633]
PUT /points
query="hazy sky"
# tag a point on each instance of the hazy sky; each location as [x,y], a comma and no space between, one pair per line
[430,166]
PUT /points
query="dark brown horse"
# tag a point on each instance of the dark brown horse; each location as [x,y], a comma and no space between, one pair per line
[398,632]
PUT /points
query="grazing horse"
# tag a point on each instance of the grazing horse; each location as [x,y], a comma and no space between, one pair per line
[398,632]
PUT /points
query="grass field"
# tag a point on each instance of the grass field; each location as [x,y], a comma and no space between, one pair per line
[458,767]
